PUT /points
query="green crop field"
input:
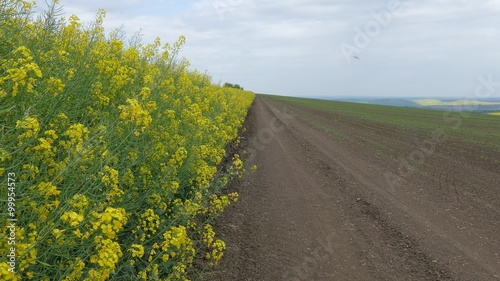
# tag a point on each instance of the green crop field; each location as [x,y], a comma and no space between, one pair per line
[464,126]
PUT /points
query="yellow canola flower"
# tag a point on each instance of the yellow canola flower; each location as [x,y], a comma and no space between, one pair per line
[110,178]
[78,266]
[219,203]
[145,93]
[217,252]
[30,125]
[47,189]
[73,218]
[208,235]
[177,237]
[137,250]
[233,196]
[29,254]
[57,233]
[79,201]
[50,136]
[6,274]
[110,222]
[21,71]
[134,112]
[149,223]
[4,155]
[108,255]
[128,178]
[44,146]
[77,132]
[55,86]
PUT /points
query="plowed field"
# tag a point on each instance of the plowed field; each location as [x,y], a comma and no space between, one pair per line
[359,192]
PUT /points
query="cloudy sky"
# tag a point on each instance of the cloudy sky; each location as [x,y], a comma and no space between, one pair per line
[374,48]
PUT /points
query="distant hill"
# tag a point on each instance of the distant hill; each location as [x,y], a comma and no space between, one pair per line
[386,101]
[480,106]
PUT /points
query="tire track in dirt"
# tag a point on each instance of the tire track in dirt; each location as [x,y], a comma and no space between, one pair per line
[316,210]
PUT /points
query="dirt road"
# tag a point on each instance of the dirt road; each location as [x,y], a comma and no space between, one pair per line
[324,204]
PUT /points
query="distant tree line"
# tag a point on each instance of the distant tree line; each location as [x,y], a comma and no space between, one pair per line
[236,86]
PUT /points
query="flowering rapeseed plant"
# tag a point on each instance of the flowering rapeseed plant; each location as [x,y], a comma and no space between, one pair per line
[119,148]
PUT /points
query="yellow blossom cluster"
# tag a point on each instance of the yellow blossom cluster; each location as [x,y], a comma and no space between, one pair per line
[219,203]
[77,135]
[215,248]
[148,225]
[110,222]
[110,178]
[30,127]
[76,268]
[108,255]
[134,112]
[119,151]
[72,218]
[21,72]
[79,202]
[137,250]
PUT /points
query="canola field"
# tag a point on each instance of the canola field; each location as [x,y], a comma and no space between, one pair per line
[113,156]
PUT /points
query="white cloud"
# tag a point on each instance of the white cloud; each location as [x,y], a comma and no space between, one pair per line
[292,47]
